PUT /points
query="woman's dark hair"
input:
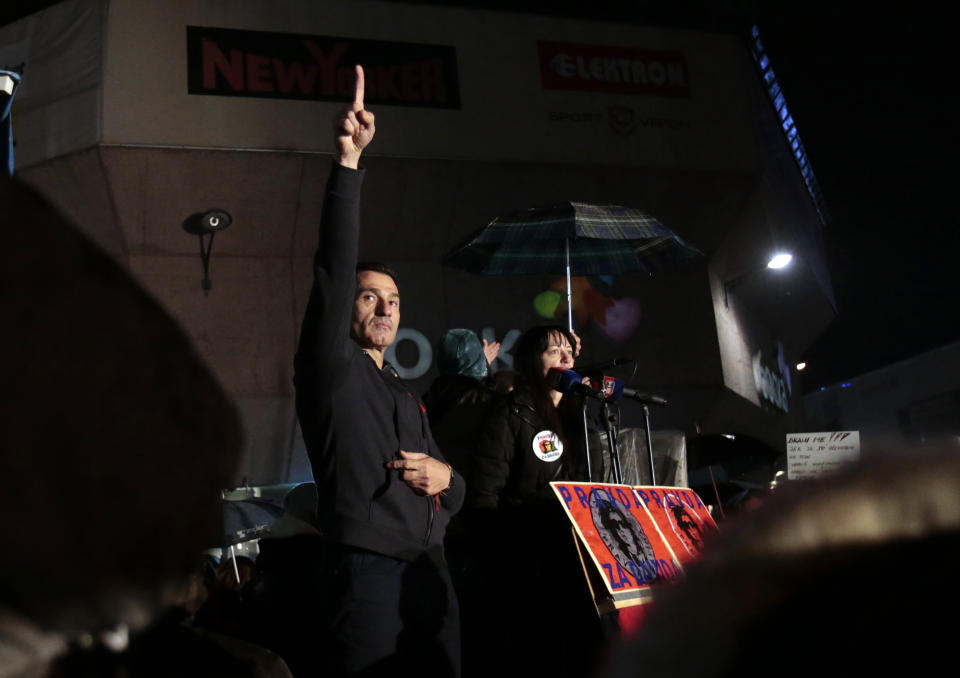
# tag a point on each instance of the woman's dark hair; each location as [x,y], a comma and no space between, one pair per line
[526,361]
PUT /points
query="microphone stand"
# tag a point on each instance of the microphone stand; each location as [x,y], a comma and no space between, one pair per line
[646,427]
[610,430]
[612,435]
[586,441]
[608,425]
[611,441]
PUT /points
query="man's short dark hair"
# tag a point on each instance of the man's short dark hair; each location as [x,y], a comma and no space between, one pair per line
[377,267]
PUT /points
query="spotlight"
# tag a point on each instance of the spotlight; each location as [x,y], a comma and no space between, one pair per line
[211,221]
[801,367]
[215,220]
[206,225]
[779,260]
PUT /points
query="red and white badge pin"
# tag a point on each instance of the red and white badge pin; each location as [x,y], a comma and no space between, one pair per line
[547,446]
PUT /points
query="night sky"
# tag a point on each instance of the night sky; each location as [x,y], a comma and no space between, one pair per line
[873,101]
[872,98]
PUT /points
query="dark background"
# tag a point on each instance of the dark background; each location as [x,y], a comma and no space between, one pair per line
[872,96]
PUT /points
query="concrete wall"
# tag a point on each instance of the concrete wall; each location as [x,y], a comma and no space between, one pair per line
[914,401]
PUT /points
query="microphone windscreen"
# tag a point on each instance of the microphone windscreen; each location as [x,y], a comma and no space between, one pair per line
[613,388]
[565,381]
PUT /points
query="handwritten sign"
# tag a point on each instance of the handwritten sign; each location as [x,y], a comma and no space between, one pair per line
[811,455]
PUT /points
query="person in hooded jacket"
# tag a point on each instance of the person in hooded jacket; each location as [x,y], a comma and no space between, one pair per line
[459,398]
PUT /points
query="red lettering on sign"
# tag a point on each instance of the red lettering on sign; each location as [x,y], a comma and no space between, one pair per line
[214,60]
[345,81]
[294,76]
[388,86]
[411,82]
[280,65]
[421,81]
[606,68]
[433,84]
[259,74]
[328,64]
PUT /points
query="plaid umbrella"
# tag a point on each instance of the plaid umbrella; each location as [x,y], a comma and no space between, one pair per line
[586,239]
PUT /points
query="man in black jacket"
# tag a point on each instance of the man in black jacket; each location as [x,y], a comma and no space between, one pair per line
[386,495]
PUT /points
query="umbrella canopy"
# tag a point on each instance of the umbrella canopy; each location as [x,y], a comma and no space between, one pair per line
[707,450]
[602,239]
[248,519]
[274,493]
[576,237]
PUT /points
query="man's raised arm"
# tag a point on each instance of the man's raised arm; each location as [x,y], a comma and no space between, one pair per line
[324,335]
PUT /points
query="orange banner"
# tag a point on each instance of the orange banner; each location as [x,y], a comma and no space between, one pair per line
[635,537]
[680,515]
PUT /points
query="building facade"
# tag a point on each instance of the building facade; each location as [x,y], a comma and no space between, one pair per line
[133,115]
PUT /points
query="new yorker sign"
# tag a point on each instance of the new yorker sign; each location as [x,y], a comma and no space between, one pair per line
[237,63]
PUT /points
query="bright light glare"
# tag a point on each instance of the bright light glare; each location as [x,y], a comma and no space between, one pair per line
[780,260]
[801,366]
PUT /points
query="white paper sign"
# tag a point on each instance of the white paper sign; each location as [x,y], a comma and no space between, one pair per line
[811,455]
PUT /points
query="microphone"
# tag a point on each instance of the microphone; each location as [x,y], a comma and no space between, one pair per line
[568,381]
[614,388]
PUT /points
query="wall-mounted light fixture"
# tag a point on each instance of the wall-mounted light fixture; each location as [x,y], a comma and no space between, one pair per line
[777,261]
[780,260]
[206,225]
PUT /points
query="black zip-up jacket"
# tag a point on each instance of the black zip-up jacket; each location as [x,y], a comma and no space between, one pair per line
[356,417]
[507,472]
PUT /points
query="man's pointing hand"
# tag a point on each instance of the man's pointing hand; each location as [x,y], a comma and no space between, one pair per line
[353,128]
[424,474]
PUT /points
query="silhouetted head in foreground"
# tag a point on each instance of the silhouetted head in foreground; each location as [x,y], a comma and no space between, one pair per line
[842,576]
[116,437]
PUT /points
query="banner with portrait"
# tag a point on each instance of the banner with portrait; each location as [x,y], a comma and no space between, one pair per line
[632,539]
[681,516]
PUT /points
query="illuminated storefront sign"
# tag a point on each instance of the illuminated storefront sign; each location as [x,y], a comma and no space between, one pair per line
[773,384]
[227,62]
[603,68]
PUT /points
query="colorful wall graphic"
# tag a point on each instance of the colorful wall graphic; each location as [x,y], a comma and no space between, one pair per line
[594,300]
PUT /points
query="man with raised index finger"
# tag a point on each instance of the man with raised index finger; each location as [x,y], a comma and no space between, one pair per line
[386,495]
